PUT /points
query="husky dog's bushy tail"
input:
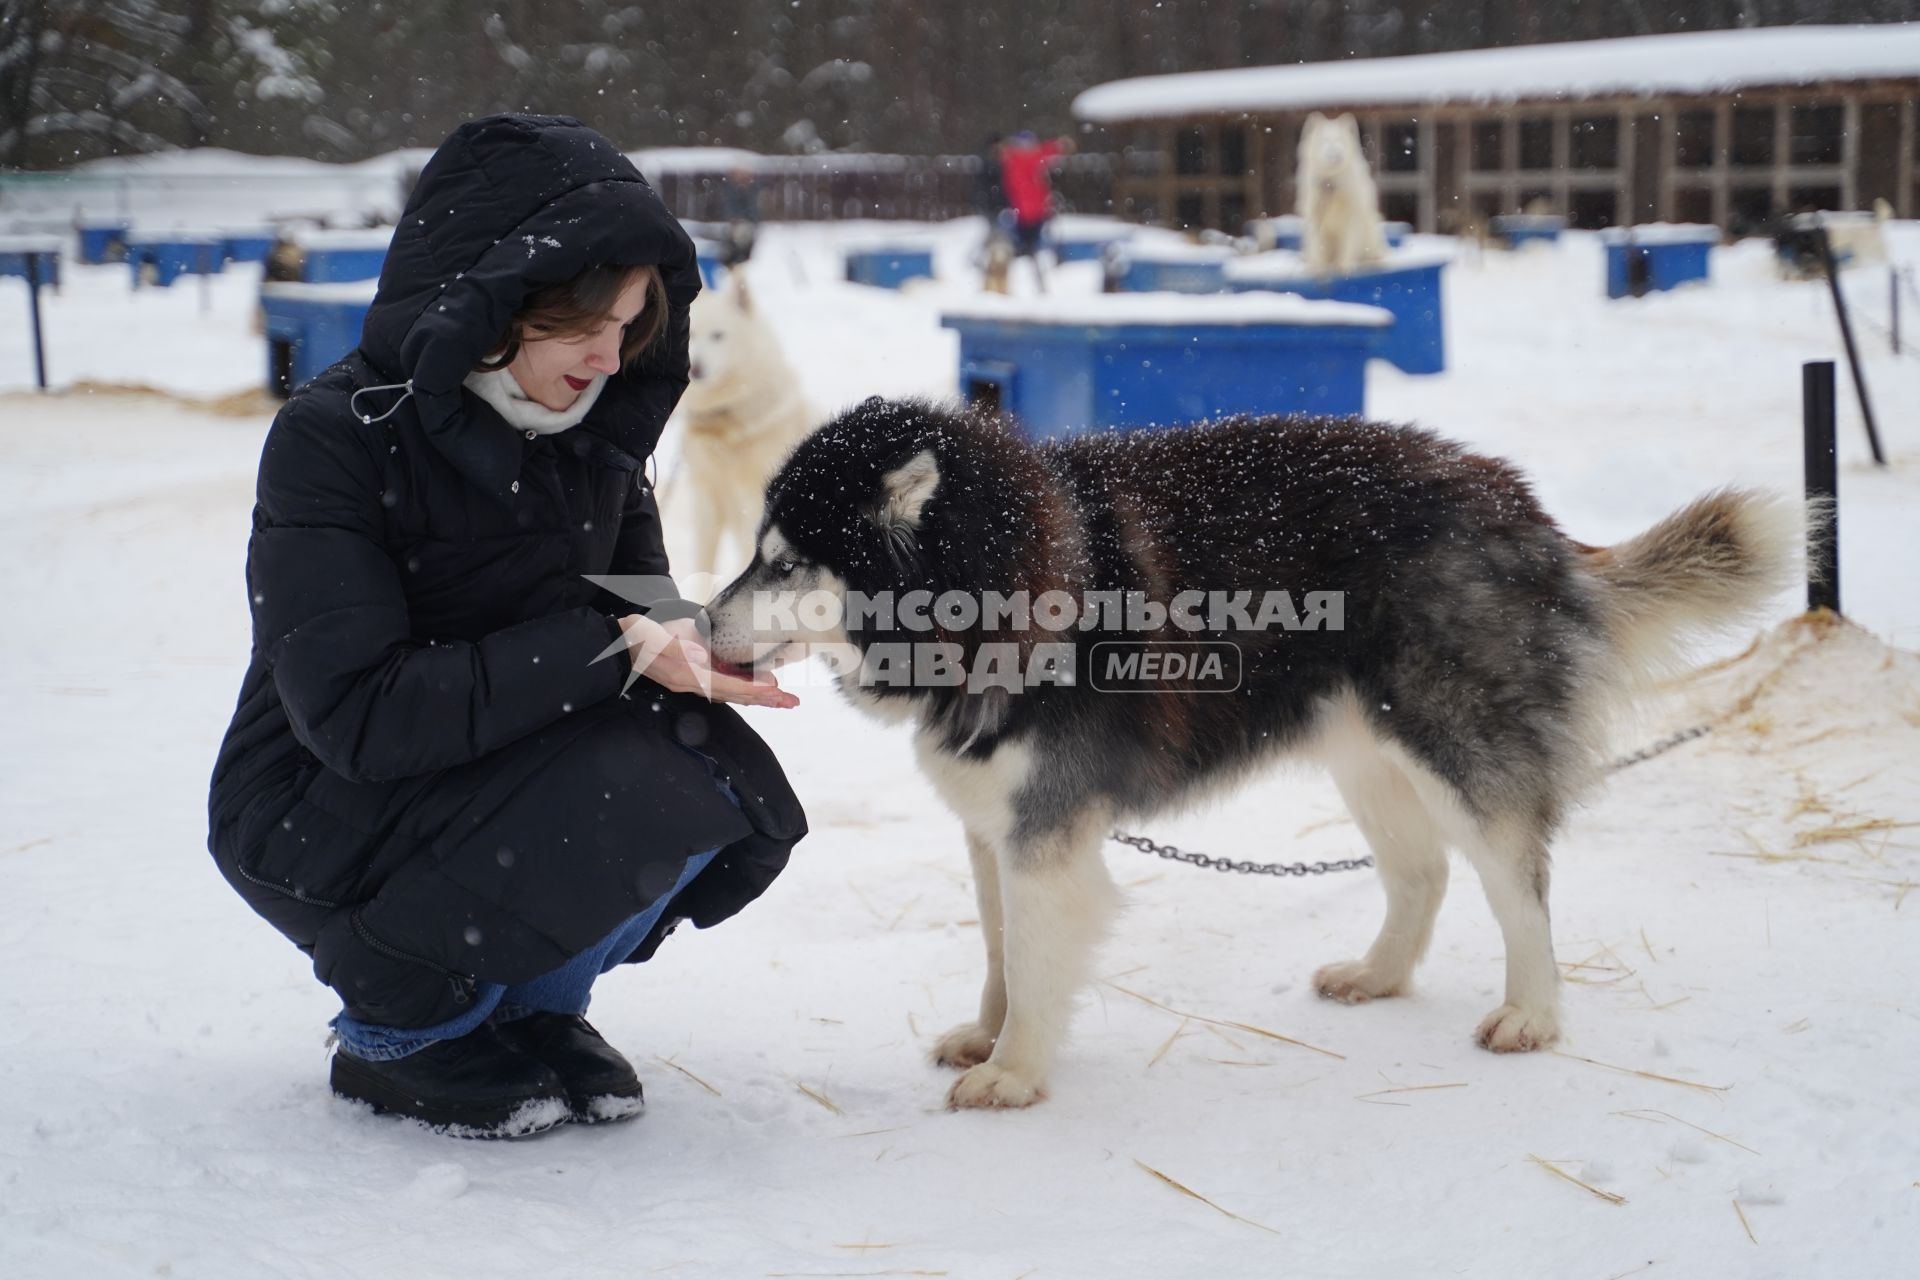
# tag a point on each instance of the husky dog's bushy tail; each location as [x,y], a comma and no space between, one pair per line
[1709,566]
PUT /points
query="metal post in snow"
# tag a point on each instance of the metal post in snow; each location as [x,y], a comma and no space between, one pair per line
[33,309]
[1846,338]
[1823,485]
[1893,306]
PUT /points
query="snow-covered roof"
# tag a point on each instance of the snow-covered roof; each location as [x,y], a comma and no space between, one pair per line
[658,160]
[1106,310]
[361,291]
[1280,266]
[1157,249]
[1662,233]
[163,234]
[342,237]
[29,243]
[1693,62]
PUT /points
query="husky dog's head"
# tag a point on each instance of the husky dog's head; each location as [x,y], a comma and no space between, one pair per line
[725,338]
[1330,154]
[888,499]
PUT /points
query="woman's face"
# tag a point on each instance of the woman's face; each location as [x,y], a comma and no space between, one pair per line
[553,371]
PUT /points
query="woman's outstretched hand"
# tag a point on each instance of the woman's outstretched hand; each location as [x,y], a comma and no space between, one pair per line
[671,655]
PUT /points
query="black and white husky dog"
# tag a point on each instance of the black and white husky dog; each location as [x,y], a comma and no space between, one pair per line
[1369,596]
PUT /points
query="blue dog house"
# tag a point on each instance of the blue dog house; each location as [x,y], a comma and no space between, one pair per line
[329,257]
[1061,366]
[1516,229]
[1287,230]
[712,269]
[1172,268]
[1414,343]
[309,326]
[163,257]
[1086,246]
[246,244]
[1642,260]
[42,253]
[103,241]
[888,268]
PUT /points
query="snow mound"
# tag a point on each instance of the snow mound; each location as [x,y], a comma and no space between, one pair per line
[442,1181]
[1806,681]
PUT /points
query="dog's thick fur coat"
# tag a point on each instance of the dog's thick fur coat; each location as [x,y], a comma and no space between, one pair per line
[741,414]
[1337,199]
[1463,705]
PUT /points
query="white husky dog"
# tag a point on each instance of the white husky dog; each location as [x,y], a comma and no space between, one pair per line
[1337,198]
[742,412]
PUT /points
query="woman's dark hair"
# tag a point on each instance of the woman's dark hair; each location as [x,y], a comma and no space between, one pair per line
[581,305]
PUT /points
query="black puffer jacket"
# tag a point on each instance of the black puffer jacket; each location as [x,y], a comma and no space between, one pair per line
[429,777]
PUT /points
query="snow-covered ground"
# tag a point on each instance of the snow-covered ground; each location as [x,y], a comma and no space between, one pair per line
[1734,919]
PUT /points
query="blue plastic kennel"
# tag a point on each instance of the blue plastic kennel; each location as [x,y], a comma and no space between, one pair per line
[1414,343]
[162,258]
[1647,259]
[42,251]
[1516,229]
[1071,365]
[309,326]
[888,268]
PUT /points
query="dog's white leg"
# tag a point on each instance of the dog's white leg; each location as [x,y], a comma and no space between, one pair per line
[1512,863]
[1412,862]
[1058,898]
[969,1043]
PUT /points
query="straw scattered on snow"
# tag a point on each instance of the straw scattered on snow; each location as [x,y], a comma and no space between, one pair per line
[1226,1022]
[669,1062]
[820,1098]
[1588,1187]
[1641,1113]
[1644,1075]
[1185,1190]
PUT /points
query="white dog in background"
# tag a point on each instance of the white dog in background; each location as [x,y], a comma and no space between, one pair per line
[1337,199]
[742,412]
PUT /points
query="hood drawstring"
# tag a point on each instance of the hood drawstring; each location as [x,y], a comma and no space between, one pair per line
[406,389]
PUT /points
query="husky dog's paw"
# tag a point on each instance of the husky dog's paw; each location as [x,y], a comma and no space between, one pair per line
[1352,982]
[1511,1029]
[967,1045]
[991,1085]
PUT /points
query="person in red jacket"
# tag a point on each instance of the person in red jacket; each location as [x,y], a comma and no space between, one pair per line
[1024,165]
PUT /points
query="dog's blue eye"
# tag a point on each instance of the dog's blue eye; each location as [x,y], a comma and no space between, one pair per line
[783,567]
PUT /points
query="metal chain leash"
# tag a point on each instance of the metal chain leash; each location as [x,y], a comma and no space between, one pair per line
[1174,853]
[1660,747]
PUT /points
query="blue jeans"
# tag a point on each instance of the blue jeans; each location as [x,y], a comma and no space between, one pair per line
[562,990]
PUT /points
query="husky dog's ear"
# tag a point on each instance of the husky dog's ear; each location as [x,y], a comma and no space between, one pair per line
[1314,121]
[903,495]
[737,283]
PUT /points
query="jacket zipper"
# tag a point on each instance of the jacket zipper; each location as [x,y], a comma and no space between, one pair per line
[458,981]
[295,894]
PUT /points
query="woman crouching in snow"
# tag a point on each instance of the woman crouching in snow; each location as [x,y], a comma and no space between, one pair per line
[437,782]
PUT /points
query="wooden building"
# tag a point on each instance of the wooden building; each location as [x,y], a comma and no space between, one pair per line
[1721,127]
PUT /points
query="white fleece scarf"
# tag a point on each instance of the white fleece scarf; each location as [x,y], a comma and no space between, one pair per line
[499,389]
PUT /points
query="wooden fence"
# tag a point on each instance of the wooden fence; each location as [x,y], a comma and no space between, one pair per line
[910,188]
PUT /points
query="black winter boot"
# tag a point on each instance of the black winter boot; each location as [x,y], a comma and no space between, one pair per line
[601,1084]
[478,1086]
